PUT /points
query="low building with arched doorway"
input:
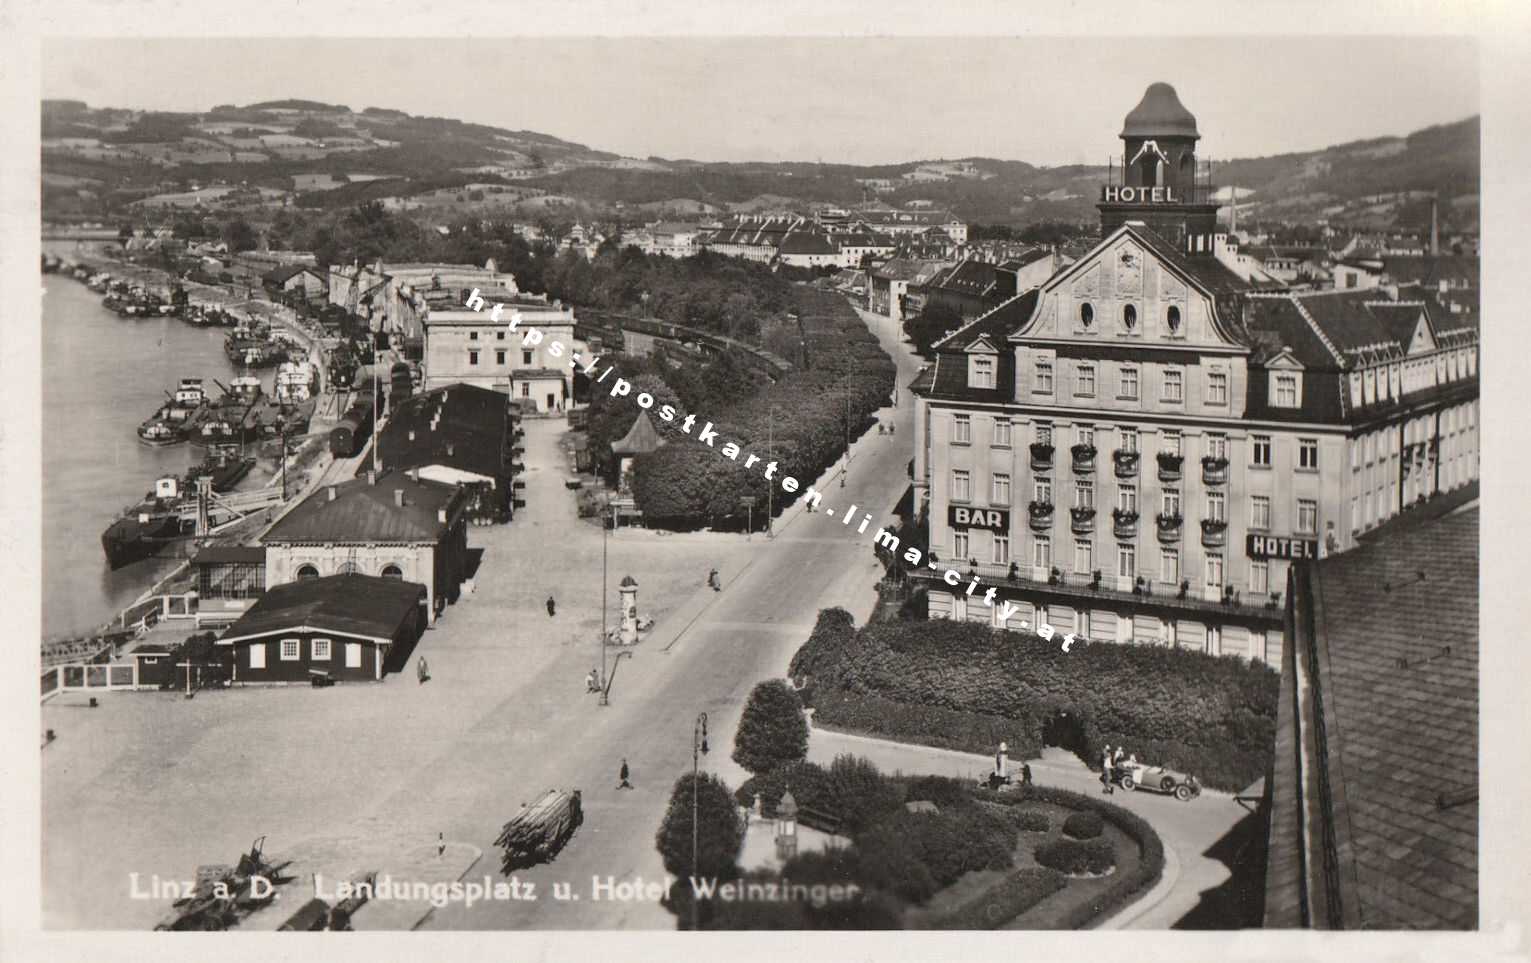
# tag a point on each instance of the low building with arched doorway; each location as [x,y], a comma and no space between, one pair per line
[392,525]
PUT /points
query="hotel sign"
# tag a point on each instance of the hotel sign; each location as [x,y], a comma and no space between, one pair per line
[1140,195]
[993,519]
[1269,546]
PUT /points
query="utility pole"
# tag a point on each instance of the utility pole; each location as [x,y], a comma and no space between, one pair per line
[771,456]
[847,468]
[698,744]
[605,534]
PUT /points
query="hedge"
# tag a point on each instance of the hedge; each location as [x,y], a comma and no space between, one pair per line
[808,781]
[1073,856]
[947,844]
[998,905]
[1030,820]
[944,791]
[965,686]
[1084,825]
[1122,887]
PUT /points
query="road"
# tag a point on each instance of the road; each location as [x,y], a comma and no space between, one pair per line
[747,633]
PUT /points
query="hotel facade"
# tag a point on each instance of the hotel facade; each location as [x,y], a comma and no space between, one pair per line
[1138,449]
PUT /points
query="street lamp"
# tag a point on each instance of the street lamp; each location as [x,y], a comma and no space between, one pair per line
[771,456]
[605,535]
[698,745]
[847,469]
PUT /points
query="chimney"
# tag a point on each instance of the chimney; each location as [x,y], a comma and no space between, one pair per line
[371,477]
[398,498]
[1435,225]
[332,493]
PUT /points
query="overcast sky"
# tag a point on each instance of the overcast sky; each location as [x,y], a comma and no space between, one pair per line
[1043,100]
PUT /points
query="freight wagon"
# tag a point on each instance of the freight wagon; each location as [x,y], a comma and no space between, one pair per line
[350,434]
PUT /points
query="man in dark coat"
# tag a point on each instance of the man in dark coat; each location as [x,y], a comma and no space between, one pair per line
[550,606]
[622,775]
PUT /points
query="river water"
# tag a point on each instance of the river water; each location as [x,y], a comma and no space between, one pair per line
[102,375]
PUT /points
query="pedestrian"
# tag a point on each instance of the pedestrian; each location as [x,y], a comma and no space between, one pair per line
[622,774]
[1025,774]
[1118,756]
[1105,771]
[892,429]
[441,844]
[422,670]
[880,429]
[551,606]
[712,581]
[590,685]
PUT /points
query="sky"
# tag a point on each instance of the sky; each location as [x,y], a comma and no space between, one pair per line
[1045,100]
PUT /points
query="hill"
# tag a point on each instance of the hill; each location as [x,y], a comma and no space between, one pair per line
[110,162]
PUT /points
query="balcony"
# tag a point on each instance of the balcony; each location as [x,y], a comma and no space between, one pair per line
[1170,466]
[1214,471]
[1082,520]
[1124,523]
[1041,456]
[1169,527]
[1126,463]
[1041,515]
[1214,532]
[1084,459]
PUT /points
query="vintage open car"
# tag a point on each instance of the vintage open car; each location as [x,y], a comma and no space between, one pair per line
[1135,775]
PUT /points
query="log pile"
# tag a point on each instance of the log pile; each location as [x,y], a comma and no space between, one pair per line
[539,831]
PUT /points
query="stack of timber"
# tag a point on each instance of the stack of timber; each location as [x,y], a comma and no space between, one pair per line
[540,830]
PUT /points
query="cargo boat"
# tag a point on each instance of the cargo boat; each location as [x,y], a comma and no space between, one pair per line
[225,420]
[226,466]
[171,423]
[147,527]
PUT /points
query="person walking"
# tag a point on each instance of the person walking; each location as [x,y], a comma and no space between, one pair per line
[622,774]
[892,429]
[590,683]
[551,606]
[1025,774]
[422,670]
[1105,771]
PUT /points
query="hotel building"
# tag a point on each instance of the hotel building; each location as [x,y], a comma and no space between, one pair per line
[1137,449]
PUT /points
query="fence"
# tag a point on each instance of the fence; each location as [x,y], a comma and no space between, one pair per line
[87,676]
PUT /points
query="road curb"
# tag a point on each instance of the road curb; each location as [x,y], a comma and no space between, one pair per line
[1168,879]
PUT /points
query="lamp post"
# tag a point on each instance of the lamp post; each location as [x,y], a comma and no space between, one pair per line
[847,429]
[771,456]
[698,746]
[605,535]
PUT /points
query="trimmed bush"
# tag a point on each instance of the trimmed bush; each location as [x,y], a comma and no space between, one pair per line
[772,731]
[1207,715]
[719,835]
[1123,886]
[1030,820]
[1084,825]
[945,792]
[1074,857]
[948,844]
[1020,891]
[809,783]
[862,794]
[890,863]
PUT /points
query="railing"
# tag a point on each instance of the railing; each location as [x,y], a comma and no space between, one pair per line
[1041,456]
[1084,458]
[1177,595]
[1126,463]
[1170,466]
[1124,523]
[1168,527]
[1082,520]
[1041,514]
[1214,471]
[1214,533]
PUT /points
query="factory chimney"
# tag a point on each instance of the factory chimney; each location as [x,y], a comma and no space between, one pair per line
[1435,225]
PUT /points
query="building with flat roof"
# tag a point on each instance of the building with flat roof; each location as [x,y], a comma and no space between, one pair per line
[467,346]
[1374,781]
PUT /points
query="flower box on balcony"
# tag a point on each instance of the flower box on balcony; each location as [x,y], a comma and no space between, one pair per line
[1126,463]
[1170,466]
[1084,457]
[1041,456]
[1083,519]
[1214,533]
[1214,471]
[1124,522]
[1041,515]
[1169,526]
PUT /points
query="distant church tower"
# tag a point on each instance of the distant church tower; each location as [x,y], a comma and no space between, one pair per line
[1157,182]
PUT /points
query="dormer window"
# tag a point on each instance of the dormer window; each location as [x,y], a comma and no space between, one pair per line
[981,371]
[1129,316]
[1284,393]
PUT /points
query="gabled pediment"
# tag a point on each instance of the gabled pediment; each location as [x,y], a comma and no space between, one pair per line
[1285,360]
[981,345]
[1423,339]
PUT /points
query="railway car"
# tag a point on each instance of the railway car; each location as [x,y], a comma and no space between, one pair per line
[350,434]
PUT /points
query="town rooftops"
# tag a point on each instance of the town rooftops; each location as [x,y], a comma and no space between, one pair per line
[360,606]
[1338,330]
[287,272]
[976,278]
[1374,824]
[807,243]
[392,508]
[459,426]
[1457,270]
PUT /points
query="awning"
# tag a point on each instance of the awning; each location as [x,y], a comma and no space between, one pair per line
[904,508]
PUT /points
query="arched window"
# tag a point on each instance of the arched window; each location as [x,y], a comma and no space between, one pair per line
[1172,317]
[1129,315]
[1086,314]
[307,571]
[348,568]
[392,571]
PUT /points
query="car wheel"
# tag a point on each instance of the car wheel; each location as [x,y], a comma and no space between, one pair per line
[1183,793]
[1167,784]
[1128,783]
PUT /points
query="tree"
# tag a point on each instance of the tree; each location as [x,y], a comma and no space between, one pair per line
[720,831]
[772,732]
[239,235]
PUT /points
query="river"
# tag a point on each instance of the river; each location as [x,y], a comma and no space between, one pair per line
[102,375]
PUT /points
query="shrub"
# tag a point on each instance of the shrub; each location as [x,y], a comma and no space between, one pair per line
[808,781]
[949,844]
[1084,825]
[862,794]
[719,835]
[890,863]
[924,724]
[945,792]
[998,905]
[1072,856]
[1030,820]
[772,731]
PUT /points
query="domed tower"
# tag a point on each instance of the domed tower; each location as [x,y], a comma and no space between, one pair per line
[1157,181]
